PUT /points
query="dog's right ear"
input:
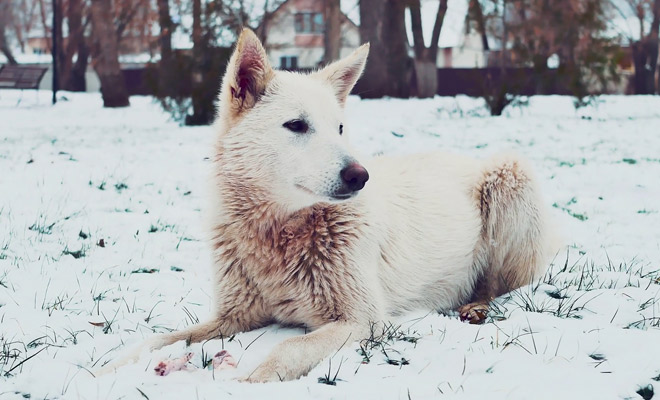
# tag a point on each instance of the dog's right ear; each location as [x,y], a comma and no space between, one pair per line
[247,75]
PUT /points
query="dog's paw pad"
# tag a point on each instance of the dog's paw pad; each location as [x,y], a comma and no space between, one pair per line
[170,365]
[223,360]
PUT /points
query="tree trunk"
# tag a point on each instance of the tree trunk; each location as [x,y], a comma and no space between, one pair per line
[373,82]
[262,30]
[4,46]
[396,41]
[426,73]
[476,12]
[415,10]
[63,67]
[654,38]
[4,20]
[165,68]
[437,27]
[106,63]
[202,106]
[388,71]
[70,78]
[332,33]
[645,56]
[166,28]
[652,44]
[77,81]
[653,65]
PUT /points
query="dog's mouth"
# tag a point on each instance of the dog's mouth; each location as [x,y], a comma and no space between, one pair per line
[342,196]
[338,196]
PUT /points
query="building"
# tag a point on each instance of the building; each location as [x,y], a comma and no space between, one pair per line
[294,35]
[468,53]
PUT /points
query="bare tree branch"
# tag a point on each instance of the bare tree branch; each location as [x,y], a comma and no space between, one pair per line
[477,14]
[332,31]
[126,16]
[437,27]
[416,22]
[655,25]
[4,45]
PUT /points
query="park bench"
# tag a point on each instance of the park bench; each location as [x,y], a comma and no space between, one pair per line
[21,77]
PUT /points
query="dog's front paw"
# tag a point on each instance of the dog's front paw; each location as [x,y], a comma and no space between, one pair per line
[474,313]
[267,372]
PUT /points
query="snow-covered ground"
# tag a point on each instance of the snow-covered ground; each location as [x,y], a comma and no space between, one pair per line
[75,176]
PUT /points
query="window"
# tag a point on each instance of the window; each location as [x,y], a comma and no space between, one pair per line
[318,23]
[288,62]
[307,22]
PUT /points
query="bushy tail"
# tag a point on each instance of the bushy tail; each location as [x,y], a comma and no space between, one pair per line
[516,237]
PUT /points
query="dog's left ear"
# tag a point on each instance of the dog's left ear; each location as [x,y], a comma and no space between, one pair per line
[246,77]
[343,74]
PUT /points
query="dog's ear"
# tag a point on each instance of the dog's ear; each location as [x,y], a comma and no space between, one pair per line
[247,75]
[343,74]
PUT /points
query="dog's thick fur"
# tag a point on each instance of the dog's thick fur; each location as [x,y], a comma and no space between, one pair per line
[434,231]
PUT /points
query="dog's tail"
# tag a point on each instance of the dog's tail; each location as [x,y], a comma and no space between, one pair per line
[516,238]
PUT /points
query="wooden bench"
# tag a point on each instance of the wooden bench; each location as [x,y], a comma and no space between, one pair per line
[21,76]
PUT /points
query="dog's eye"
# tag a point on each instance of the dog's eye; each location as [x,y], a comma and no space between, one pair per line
[296,125]
[341,129]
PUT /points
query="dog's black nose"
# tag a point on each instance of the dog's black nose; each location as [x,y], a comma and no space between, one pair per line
[354,176]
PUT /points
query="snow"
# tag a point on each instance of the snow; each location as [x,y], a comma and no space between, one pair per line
[75,174]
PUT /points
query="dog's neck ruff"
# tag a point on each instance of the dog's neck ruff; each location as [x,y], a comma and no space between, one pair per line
[249,209]
[306,255]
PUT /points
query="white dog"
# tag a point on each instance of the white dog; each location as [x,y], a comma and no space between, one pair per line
[305,234]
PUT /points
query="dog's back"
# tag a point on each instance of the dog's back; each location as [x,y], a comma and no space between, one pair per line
[421,211]
[451,229]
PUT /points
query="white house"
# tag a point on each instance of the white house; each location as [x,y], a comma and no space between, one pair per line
[294,35]
[468,53]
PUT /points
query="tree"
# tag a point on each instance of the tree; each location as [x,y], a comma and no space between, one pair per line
[188,88]
[106,57]
[166,30]
[388,71]
[165,67]
[72,75]
[645,49]
[574,30]
[531,31]
[76,81]
[476,15]
[23,19]
[426,57]
[202,110]
[5,17]
[332,32]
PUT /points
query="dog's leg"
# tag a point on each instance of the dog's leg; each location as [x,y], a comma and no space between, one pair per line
[515,237]
[196,333]
[296,356]
[240,309]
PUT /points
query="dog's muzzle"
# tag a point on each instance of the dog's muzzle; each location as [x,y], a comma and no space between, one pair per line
[354,176]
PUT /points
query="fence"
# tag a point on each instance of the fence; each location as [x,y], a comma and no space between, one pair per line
[451,81]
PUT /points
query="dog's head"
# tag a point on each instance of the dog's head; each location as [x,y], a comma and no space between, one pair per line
[286,131]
